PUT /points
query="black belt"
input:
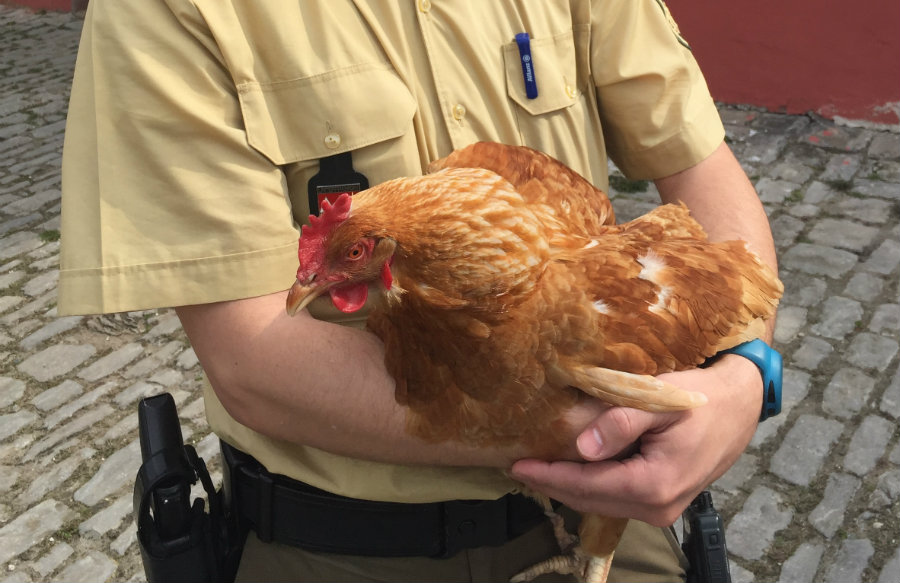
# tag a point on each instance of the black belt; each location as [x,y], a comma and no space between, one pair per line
[286,511]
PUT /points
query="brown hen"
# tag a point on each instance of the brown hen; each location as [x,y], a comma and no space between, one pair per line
[509,294]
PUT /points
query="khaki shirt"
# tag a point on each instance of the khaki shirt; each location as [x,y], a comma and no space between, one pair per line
[194,127]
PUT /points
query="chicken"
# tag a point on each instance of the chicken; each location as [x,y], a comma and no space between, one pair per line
[509,295]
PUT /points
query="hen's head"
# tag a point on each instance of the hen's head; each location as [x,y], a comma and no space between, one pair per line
[340,257]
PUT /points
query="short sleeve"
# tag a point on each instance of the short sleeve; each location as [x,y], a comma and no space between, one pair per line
[656,110]
[164,203]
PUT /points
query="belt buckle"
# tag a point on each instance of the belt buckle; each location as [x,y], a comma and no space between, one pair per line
[470,524]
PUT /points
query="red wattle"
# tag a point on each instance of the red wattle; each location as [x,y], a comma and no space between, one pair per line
[349,298]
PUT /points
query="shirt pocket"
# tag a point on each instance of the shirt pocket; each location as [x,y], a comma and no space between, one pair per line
[337,111]
[555,71]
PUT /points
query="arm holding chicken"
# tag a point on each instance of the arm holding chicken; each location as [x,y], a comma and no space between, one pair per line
[337,384]
[679,453]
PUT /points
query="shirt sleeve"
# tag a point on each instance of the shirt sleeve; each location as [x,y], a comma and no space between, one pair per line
[164,203]
[657,113]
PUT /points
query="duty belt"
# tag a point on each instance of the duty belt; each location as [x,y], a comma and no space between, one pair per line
[290,512]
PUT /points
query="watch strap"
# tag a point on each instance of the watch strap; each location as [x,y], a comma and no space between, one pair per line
[770,365]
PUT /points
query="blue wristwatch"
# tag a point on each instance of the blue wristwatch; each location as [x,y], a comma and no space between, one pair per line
[768,360]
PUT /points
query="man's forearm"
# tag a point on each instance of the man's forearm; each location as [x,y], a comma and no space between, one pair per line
[310,382]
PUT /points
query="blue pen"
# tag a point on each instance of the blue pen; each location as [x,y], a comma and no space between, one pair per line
[524,43]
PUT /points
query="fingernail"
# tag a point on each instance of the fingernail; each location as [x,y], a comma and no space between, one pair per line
[590,444]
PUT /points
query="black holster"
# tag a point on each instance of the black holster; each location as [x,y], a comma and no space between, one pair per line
[704,542]
[180,540]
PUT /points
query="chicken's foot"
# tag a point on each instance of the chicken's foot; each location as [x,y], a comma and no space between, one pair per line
[575,562]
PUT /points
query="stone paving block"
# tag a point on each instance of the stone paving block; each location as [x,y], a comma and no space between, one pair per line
[137,391]
[868,444]
[50,330]
[819,260]
[150,364]
[18,243]
[12,423]
[828,515]
[867,210]
[839,318]
[8,302]
[890,572]
[57,396]
[738,476]
[10,278]
[819,192]
[31,527]
[885,258]
[885,145]
[872,351]
[850,562]
[108,519]
[803,450]
[127,426]
[119,469]
[76,425]
[9,475]
[112,362]
[864,287]
[886,320]
[54,477]
[68,411]
[841,167]
[53,559]
[803,290]
[811,353]
[843,234]
[802,565]
[187,359]
[55,361]
[847,392]
[791,319]
[11,390]
[125,540]
[753,529]
[92,566]
[888,486]
[890,400]
[775,191]
[741,575]
[42,283]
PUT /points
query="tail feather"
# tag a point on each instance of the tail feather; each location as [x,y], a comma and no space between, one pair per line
[626,389]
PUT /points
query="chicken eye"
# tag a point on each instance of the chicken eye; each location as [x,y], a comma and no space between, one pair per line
[355,252]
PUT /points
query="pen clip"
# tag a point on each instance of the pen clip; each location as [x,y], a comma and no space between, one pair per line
[524,43]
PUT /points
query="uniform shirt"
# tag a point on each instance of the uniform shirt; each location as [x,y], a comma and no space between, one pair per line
[194,127]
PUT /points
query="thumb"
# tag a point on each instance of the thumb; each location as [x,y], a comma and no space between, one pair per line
[615,432]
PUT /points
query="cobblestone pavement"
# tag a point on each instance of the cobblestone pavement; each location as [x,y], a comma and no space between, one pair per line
[816,497]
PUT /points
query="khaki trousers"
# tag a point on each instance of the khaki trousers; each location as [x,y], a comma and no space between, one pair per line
[646,554]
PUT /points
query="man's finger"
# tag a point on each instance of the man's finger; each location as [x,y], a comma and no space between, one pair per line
[615,431]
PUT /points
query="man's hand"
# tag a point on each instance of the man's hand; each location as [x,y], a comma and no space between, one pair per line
[649,466]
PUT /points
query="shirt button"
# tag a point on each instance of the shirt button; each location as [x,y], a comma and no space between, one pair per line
[459,111]
[425,5]
[571,91]
[332,141]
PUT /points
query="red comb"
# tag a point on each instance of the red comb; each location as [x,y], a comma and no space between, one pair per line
[332,214]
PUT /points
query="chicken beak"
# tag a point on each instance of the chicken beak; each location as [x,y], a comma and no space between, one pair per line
[301,294]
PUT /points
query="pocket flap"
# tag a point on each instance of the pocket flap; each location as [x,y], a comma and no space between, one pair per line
[315,117]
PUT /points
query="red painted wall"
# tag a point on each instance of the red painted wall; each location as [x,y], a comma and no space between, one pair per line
[56,5]
[832,57]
